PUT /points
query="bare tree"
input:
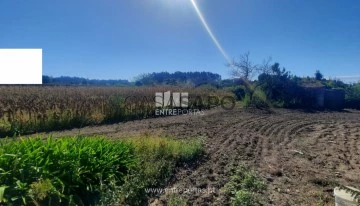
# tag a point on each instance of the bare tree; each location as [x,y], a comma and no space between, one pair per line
[243,68]
[265,67]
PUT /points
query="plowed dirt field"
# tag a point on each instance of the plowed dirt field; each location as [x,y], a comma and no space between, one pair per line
[302,156]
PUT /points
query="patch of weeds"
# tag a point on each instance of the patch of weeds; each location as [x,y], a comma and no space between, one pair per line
[243,198]
[148,175]
[244,188]
[109,193]
[323,199]
[158,158]
[175,200]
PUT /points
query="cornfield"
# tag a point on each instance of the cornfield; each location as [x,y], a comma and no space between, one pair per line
[31,109]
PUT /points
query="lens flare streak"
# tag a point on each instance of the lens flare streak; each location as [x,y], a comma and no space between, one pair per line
[211,34]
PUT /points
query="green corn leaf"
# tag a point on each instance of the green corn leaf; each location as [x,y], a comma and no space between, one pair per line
[2,193]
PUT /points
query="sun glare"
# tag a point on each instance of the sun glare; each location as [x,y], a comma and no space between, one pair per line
[209,31]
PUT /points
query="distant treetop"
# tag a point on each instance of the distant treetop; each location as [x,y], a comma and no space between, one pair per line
[177,78]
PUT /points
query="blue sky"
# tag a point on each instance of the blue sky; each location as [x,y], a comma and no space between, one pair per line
[120,39]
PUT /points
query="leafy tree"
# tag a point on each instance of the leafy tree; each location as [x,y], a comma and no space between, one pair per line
[46,79]
[352,98]
[281,87]
[318,75]
[275,83]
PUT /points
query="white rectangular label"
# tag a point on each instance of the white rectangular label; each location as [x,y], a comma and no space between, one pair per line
[20,66]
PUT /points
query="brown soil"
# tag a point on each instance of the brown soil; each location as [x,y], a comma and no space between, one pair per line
[302,156]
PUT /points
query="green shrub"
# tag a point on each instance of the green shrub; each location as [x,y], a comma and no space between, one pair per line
[257,100]
[239,92]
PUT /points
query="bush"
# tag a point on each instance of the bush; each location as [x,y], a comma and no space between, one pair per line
[239,92]
[257,100]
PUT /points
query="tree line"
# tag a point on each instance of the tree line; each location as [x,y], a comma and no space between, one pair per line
[274,84]
[178,78]
[155,78]
[66,80]
[277,86]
